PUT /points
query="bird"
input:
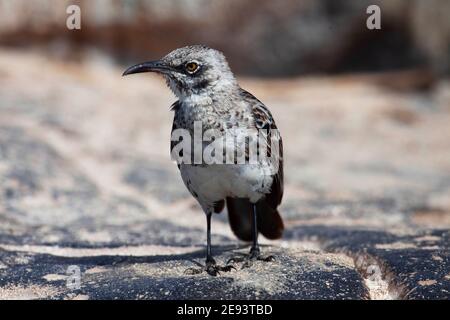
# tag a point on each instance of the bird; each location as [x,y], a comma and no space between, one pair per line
[208,93]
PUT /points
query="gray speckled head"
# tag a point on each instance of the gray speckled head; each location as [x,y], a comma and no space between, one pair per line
[197,69]
[192,71]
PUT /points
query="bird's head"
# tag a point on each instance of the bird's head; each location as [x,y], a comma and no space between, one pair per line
[191,70]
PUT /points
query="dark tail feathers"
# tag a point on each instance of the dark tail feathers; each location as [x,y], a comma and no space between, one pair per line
[240,212]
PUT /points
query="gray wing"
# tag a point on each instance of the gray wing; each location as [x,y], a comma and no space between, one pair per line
[269,223]
[264,120]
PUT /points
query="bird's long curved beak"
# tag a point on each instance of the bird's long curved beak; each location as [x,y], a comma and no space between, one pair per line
[149,66]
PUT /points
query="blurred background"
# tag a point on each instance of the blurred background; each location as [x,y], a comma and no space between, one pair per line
[260,38]
[364,113]
[84,153]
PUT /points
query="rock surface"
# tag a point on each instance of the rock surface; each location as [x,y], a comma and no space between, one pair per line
[86,184]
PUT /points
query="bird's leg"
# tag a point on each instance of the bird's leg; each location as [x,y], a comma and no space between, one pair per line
[210,264]
[211,267]
[255,252]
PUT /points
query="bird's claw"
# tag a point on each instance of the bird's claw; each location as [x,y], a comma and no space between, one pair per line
[266,258]
[215,270]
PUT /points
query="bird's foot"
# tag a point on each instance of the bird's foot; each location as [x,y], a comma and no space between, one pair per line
[211,268]
[247,260]
[214,270]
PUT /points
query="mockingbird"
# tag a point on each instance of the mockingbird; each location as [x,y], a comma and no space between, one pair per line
[209,93]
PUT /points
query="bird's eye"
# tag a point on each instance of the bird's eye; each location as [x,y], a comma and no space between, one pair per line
[191,67]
